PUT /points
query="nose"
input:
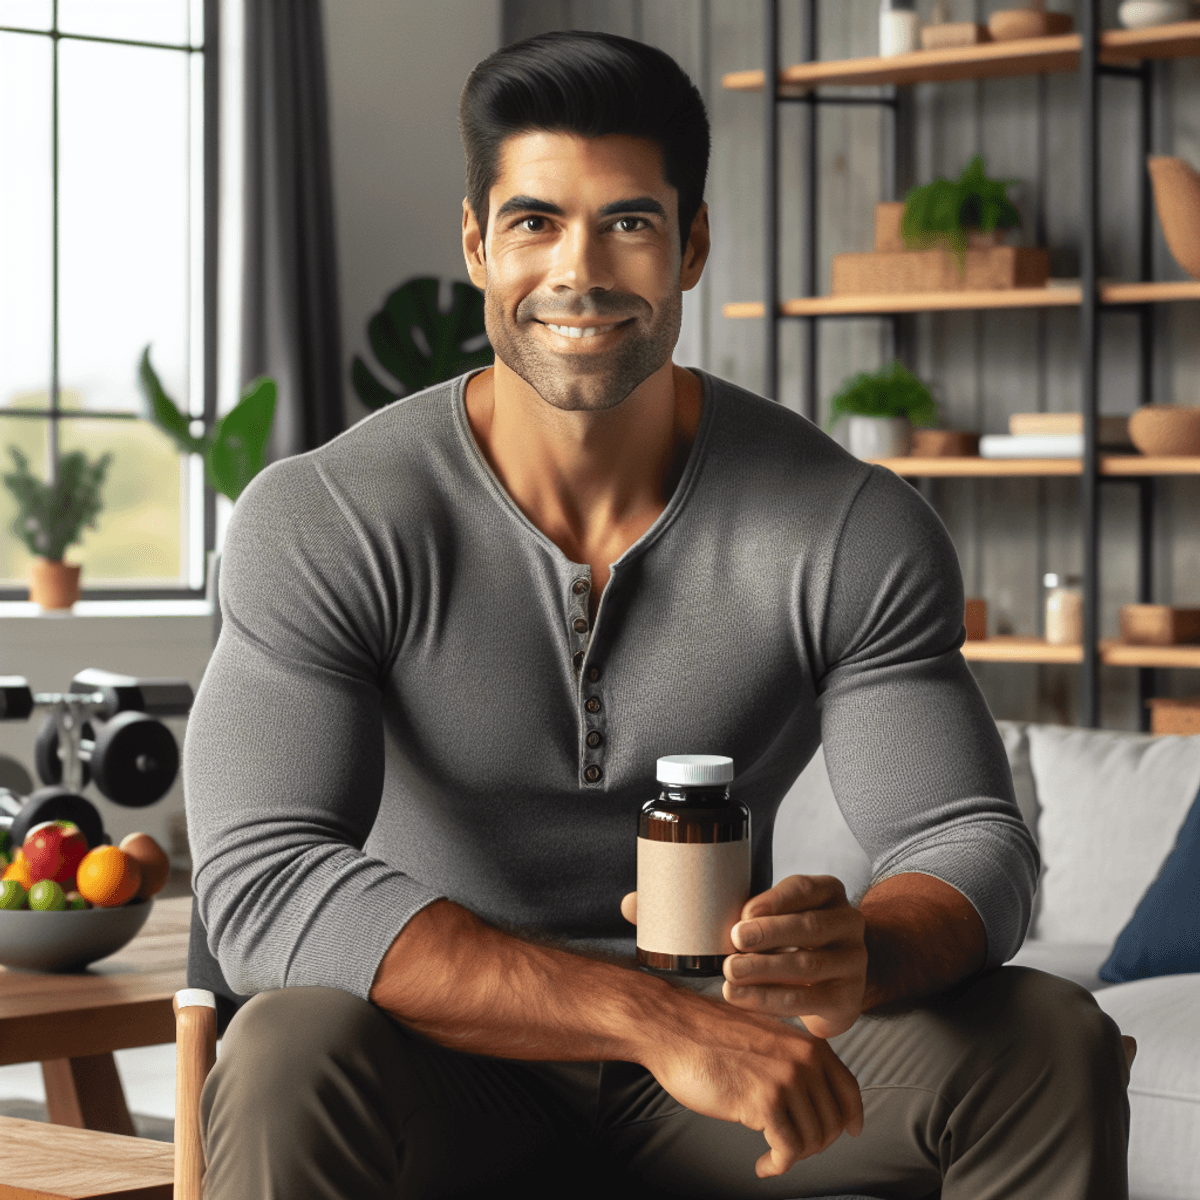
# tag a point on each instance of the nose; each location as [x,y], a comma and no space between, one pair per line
[581,262]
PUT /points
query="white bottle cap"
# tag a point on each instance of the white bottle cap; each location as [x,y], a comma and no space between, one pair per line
[695,770]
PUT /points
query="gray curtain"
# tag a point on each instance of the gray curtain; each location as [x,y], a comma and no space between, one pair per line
[290,313]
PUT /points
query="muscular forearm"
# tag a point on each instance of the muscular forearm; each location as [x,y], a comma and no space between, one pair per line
[922,935]
[471,987]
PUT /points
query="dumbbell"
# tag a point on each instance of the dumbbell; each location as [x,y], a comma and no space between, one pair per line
[104,727]
[19,815]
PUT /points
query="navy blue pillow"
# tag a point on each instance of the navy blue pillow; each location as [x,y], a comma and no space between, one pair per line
[1163,935]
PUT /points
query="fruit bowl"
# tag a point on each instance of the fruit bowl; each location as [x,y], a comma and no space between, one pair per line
[66,941]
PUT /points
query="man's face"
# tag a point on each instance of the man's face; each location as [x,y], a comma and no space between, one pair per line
[581,267]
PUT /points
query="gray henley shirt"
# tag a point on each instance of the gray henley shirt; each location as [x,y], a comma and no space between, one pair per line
[407,700]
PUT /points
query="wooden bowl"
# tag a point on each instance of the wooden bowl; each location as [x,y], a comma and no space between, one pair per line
[1013,24]
[1177,198]
[1166,429]
[66,941]
[944,443]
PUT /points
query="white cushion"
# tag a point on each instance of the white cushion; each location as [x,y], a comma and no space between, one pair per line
[1163,1014]
[1110,807]
[812,837]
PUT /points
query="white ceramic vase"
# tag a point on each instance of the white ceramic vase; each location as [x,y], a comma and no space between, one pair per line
[1142,14]
[880,437]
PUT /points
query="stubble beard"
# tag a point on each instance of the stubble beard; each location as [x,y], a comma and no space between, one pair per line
[579,382]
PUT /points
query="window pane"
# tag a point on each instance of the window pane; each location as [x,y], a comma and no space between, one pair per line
[123,220]
[29,436]
[141,20]
[139,534]
[26,14]
[26,222]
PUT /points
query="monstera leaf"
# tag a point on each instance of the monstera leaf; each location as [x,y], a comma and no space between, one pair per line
[420,343]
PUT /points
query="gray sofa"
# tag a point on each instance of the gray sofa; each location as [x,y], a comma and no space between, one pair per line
[1105,808]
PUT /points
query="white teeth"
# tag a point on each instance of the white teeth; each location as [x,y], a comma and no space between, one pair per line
[578,331]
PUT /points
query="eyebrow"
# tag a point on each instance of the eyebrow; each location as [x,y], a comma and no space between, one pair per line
[638,204]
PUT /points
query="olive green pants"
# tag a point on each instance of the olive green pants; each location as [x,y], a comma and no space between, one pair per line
[1011,1086]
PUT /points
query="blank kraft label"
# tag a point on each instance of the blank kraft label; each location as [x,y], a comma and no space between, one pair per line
[690,895]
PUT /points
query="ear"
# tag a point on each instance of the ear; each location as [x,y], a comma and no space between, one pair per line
[473,248]
[695,253]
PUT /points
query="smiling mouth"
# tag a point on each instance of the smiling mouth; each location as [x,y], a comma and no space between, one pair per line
[582,331]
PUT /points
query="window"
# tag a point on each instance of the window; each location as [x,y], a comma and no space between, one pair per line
[107,209]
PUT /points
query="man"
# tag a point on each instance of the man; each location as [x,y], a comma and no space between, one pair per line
[456,640]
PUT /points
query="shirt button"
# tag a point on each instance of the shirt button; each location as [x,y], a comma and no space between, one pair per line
[594,674]
[580,625]
[593,774]
[593,704]
[580,586]
[577,659]
[594,739]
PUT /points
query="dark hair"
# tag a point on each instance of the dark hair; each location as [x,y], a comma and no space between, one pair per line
[590,84]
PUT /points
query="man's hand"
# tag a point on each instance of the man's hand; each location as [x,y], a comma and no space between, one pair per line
[804,954]
[775,1078]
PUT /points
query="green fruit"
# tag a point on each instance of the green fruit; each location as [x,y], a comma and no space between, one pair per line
[76,902]
[5,840]
[47,896]
[4,860]
[12,895]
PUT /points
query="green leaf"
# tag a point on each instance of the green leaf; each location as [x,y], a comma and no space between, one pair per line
[892,391]
[239,441]
[161,409]
[52,516]
[421,345]
[370,391]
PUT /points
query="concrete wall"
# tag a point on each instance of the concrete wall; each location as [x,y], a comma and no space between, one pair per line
[396,68]
[982,365]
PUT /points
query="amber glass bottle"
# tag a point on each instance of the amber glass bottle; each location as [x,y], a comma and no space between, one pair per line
[693,866]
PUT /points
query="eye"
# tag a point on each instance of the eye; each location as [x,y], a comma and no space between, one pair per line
[631,224]
[534,224]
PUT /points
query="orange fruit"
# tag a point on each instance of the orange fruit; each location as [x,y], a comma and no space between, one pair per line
[19,870]
[108,877]
[153,860]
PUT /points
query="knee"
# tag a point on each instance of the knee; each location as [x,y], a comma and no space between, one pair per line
[281,1045]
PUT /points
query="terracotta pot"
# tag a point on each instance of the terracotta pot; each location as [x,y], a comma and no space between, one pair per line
[53,584]
[944,443]
[1167,429]
[1177,198]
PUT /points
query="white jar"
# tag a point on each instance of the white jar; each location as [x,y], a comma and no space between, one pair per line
[880,437]
[1064,610]
[1142,14]
[899,28]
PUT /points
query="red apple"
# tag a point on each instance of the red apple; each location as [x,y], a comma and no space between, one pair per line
[54,851]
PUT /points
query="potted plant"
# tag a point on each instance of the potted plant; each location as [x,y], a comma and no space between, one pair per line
[970,210]
[52,516]
[882,407]
[234,450]
[419,343]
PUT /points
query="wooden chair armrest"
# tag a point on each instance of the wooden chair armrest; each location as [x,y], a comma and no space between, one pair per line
[195,1053]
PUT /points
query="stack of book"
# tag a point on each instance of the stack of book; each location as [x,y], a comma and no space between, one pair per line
[1052,435]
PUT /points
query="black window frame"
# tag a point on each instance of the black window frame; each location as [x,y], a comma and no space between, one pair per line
[209,51]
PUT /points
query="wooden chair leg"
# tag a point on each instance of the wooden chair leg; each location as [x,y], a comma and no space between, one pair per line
[195,1053]
[86,1093]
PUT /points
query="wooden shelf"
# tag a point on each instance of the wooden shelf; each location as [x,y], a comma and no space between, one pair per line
[1112,653]
[1110,464]
[898,302]
[1032,56]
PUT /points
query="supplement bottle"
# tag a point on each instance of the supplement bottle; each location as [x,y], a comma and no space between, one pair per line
[693,871]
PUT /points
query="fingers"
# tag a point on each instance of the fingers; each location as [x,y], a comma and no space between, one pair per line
[629,907]
[796,893]
[811,1120]
[810,929]
[845,1089]
[803,967]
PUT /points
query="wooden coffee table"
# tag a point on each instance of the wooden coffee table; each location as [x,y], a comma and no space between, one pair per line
[72,1023]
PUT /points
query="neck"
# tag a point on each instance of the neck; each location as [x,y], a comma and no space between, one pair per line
[593,482]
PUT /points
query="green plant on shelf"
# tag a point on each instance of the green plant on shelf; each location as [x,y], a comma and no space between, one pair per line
[53,515]
[892,391]
[234,450]
[945,212]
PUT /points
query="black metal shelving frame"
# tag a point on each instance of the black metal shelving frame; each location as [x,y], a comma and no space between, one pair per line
[1091,71]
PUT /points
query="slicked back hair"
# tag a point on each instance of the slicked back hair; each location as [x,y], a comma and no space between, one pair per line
[588,84]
